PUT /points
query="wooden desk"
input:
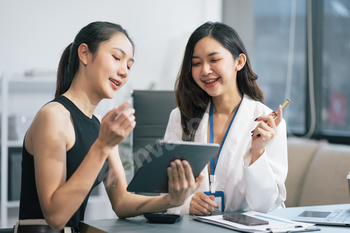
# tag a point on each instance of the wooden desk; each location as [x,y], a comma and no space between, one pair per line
[140,224]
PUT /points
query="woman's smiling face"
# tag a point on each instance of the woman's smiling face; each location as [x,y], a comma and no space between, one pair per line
[214,69]
[109,69]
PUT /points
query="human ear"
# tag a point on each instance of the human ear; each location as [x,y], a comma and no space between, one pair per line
[241,61]
[83,53]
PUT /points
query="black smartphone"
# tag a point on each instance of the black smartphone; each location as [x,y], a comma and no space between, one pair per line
[244,219]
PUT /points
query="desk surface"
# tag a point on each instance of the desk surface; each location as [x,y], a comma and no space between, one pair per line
[187,224]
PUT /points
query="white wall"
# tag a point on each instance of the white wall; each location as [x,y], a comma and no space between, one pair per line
[34,33]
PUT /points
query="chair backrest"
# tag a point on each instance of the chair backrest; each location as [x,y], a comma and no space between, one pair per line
[325,182]
[152,110]
[300,155]
[317,172]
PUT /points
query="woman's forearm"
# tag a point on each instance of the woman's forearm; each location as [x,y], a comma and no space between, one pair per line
[66,200]
[132,205]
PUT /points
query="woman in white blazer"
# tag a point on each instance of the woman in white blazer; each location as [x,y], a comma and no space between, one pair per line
[220,101]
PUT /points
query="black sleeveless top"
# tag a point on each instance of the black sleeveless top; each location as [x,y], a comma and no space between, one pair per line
[86,132]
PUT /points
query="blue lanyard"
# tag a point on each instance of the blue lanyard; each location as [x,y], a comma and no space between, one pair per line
[211,126]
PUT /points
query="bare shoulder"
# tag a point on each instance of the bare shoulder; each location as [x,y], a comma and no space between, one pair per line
[52,123]
[52,113]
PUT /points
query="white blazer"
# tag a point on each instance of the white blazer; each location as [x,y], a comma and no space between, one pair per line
[259,187]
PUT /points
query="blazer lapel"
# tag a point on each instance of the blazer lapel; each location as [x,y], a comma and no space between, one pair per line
[237,136]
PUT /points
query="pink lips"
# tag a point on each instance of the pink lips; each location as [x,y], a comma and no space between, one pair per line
[210,82]
[115,83]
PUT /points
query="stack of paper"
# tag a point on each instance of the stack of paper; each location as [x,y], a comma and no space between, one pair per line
[276,224]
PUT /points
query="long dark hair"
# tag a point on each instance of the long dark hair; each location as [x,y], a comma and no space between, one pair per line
[191,100]
[92,35]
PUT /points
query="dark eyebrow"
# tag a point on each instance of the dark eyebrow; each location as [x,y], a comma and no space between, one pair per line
[210,54]
[122,51]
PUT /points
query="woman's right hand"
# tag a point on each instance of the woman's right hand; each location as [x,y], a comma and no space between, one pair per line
[181,182]
[202,204]
[116,125]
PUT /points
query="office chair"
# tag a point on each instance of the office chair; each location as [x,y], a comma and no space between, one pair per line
[6,230]
[152,110]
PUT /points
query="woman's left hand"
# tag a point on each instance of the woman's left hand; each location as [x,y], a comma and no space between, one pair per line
[181,182]
[264,132]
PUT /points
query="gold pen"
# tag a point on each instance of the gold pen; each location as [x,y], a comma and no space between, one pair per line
[285,103]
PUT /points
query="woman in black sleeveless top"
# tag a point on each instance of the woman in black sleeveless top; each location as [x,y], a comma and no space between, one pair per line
[66,146]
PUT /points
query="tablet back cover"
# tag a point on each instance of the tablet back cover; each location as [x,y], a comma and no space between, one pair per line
[152,177]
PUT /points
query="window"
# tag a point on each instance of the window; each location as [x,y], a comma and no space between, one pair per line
[280,57]
[288,37]
[335,113]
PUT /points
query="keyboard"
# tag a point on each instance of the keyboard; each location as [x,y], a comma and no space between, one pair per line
[339,216]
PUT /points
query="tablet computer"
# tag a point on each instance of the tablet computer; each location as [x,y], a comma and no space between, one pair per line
[152,176]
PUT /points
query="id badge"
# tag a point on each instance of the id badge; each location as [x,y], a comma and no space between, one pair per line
[219,199]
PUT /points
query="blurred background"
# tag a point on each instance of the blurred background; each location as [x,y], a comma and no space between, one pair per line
[300,50]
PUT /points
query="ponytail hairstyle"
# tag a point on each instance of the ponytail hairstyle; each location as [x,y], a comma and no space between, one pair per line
[92,35]
[191,100]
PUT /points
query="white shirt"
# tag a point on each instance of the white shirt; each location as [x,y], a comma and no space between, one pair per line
[260,186]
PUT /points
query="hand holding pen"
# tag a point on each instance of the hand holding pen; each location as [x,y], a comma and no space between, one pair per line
[274,115]
[265,131]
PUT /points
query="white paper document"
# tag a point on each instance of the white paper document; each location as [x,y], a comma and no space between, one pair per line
[276,224]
